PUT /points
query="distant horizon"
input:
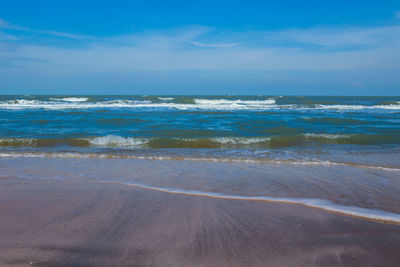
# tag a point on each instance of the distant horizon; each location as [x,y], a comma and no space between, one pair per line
[212,95]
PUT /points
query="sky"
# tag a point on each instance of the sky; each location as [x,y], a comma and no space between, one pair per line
[203,47]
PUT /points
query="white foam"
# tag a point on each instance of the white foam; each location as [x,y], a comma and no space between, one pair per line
[71,99]
[388,106]
[124,102]
[356,107]
[202,104]
[113,140]
[299,162]
[234,102]
[118,141]
[26,141]
[22,102]
[327,136]
[364,213]
[240,140]
[166,98]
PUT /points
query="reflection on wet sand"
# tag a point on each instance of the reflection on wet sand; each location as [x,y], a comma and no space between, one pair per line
[182,213]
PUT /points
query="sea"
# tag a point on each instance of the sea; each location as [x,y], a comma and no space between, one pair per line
[339,153]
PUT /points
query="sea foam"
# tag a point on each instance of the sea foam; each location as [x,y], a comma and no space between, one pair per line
[71,99]
[240,140]
[326,205]
[118,141]
[196,104]
[91,155]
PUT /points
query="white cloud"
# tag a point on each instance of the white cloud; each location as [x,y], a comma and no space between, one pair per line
[26,31]
[64,34]
[322,48]
[217,45]
[6,25]
[337,38]
[3,23]
[7,37]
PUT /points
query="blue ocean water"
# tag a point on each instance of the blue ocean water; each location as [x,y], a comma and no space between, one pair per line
[339,154]
[208,126]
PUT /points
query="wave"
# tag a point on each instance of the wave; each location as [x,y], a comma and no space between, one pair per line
[71,99]
[234,102]
[356,107]
[117,141]
[21,102]
[97,155]
[326,205]
[326,136]
[181,103]
[211,142]
[240,140]
[42,142]
[390,103]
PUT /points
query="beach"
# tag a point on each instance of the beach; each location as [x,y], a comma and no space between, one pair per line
[199,134]
[199,181]
[65,220]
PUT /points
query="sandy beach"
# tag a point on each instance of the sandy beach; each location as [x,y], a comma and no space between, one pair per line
[199,133]
[67,223]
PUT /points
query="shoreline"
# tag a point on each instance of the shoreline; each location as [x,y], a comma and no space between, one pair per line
[124,212]
[250,160]
[321,204]
[67,223]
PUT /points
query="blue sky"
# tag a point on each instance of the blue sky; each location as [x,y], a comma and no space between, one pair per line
[204,47]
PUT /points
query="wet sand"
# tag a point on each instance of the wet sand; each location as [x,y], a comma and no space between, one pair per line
[71,223]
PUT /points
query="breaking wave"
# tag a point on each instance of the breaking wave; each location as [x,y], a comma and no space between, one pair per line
[118,141]
[240,140]
[210,142]
[234,102]
[183,103]
[71,99]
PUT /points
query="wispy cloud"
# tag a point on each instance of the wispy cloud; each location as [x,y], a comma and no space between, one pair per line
[64,34]
[215,45]
[6,25]
[3,23]
[26,31]
[336,37]
[318,48]
[7,37]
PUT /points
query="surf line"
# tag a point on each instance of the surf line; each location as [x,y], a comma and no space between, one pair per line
[74,155]
[322,204]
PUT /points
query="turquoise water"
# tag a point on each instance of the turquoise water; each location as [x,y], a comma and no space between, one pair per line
[245,127]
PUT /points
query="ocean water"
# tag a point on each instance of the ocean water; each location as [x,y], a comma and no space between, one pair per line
[226,127]
[340,154]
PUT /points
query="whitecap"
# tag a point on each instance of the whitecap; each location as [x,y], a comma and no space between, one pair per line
[327,136]
[201,101]
[240,140]
[71,99]
[117,141]
[22,102]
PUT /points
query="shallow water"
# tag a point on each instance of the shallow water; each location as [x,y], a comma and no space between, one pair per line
[364,192]
[340,152]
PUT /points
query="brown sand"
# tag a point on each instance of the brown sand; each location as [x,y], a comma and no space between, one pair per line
[89,224]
